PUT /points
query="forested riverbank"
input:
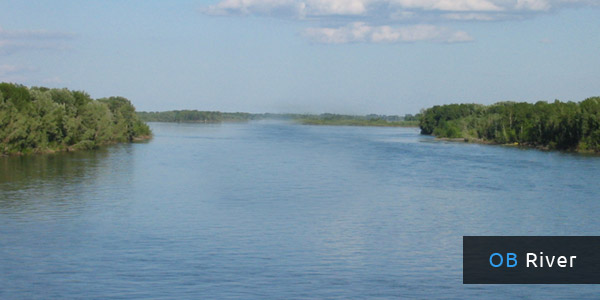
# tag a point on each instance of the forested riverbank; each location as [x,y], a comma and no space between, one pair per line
[368,120]
[196,116]
[569,126]
[39,120]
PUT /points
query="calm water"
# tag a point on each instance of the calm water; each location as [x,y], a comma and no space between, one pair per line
[278,211]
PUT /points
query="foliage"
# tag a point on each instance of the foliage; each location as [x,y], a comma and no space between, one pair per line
[322,119]
[368,120]
[196,116]
[39,119]
[557,125]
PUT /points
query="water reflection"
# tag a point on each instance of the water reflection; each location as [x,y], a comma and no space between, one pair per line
[280,211]
[60,182]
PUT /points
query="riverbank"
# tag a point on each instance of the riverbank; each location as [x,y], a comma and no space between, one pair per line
[517,145]
[74,148]
[210,117]
[42,120]
[374,123]
[564,126]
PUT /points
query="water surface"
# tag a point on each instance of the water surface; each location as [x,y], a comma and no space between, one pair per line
[270,210]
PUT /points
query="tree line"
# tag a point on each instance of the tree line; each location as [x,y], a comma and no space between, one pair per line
[368,120]
[194,116]
[40,119]
[558,125]
[311,119]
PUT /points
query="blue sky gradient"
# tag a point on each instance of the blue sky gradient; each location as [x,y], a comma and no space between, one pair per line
[341,56]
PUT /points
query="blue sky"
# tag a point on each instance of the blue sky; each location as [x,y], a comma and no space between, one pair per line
[342,56]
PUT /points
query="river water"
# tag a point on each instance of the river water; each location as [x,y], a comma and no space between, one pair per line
[272,210]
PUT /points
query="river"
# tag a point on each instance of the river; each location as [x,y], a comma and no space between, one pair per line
[273,210]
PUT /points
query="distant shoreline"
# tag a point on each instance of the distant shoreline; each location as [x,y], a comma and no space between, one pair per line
[326,119]
[402,124]
[412,124]
[565,126]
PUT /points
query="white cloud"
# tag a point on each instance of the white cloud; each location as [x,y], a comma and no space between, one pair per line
[449,5]
[389,14]
[471,17]
[533,4]
[257,7]
[360,32]
[289,8]
[53,80]
[32,34]
[7,69]
[308,8]
[14,73]
[12,41]
[337,7]
[579,2]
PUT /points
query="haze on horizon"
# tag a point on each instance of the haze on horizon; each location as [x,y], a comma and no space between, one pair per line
[306,56]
